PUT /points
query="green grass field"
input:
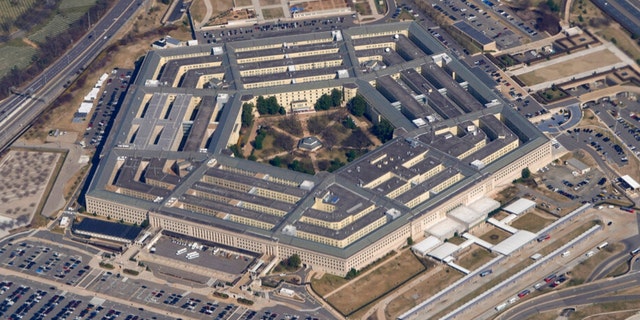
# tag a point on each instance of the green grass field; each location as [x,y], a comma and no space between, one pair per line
[14,55]
[72,4]
[70,11]
[11,9]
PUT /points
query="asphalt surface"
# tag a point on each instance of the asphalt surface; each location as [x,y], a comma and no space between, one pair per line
[624,12]
[596,292]
[19,110]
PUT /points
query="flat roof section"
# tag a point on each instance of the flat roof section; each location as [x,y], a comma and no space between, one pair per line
[513,243]
[435,99]
[155,171]
[474,34]
[345,232]
[520,206]
[230,195]
[460,96]
[408,50]
[286,62]
[222,210]
[191,77]
[395,92]
[286,48]
[391,157]
[171,68]
[200,125]
[108,229]
[157,129]
[266,78]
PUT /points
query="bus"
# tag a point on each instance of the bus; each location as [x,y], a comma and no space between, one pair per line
[628,209]
[602,245]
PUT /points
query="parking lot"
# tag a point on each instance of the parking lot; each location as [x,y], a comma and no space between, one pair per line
[272,29]
[113,92]
[208,256]
[29,299]
[590,187]
[623,121]
[494,22]
[58,265]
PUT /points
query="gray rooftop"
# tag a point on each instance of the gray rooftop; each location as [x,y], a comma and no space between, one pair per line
[344,182]
[474,34]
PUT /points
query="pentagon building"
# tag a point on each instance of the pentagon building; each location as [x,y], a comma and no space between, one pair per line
[168,161]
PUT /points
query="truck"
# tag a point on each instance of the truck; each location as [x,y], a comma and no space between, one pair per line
[501,307]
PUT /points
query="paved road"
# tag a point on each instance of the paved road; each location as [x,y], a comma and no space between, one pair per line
[18,111]
[595,292]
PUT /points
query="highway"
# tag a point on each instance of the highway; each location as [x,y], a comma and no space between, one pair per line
[595,292]
[19,110]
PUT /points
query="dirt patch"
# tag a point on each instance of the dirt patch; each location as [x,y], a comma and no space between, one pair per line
[432,285]
[269,2]
[567,68]
[198,9]
[327,283]
[272,13]
[495,235]
[475,258]
[323,5]
[24,179]
[532,222]
[376,283]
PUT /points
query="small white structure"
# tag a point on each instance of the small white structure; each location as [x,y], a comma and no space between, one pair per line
[286,292]
[85,107]
[520,206]
[92,95]
[64,222]
[444,251]
[578,165]
[573,31]
[423,247]
[445,229]
[630,181]
[474,213]
[343,74]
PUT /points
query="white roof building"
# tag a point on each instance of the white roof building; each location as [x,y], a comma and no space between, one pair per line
[513,243]
[85,107]
[423,247]
[474,213]
[445,229]
[92,95]
[520,206]
[630,181]
[443,251]
[580,166]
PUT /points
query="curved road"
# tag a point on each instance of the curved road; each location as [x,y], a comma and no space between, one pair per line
[19,110]
[595,292]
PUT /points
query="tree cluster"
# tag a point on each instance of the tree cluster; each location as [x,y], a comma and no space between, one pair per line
[295,165]
[294,261]
[357,106]
[247,115]
[327,101]
[269,106]
[258,142]
[383,130]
